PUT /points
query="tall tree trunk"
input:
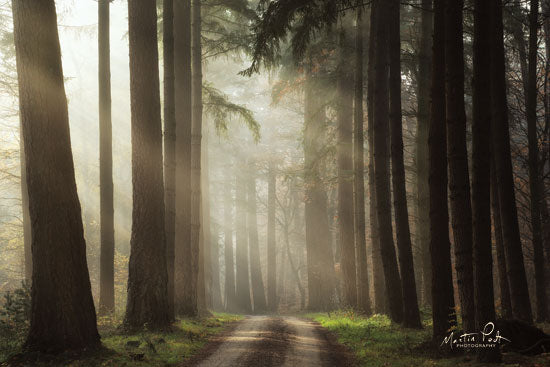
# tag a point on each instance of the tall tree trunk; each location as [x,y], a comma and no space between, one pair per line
[230,295]
[185,303]
[196,137]
[519,291]
[242,275]
[411,314]
[147,302]
[422,162]
[320,266]
[258,291]
[217,304]
[382,174]
[27,240]
[380,300]
[481,177]
[443,304]
[169,145]
[505,301]
[206,227]
[107,220]
[363,295]
[531,107]
[271,240]
[62,314]
[459,179]
[345,174]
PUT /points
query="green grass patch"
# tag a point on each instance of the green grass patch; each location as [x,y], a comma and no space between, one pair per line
[377,342]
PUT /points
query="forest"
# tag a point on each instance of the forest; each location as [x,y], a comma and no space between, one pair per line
[275,183]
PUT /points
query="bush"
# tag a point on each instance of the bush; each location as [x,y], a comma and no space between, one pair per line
[14,320]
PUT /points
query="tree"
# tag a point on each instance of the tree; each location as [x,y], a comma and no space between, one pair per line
[440,247]
[363,296]
[271,241]
[411,314]
[230,295]
[185,275]
[381,167]
[481,177]
[62,315]
[519,292]
[422,162]
[345,172]
[459,178]
[147,302]
[258,291]
[242,275]
[27,231]
[169,146]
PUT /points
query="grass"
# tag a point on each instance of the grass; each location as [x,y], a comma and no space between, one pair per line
[377,342]
[147,348]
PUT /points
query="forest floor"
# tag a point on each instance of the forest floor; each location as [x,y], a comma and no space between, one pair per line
[377,342]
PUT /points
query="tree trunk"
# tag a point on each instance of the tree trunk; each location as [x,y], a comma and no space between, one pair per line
[242,275]
[345,175]
[62,314]
[422,161]
[230,295]
[185,303]
[379,286]
[519,291]
[206,227]
[443,305]
[147,302]
[27,240]
[258,291]
[169,146]
[411,314]
[382,174]
[459,179]
[271,240]
[481,177]
[217,304]
[196,137]
[363,294]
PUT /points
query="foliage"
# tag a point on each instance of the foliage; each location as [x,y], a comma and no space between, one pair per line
[14,319]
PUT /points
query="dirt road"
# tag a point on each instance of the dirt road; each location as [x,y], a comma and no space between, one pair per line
[260,341]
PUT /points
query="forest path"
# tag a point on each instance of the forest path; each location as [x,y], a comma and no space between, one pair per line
[259,341]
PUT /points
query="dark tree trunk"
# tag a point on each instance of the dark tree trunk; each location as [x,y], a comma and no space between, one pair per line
[505,302]
[443,305]
[107,220]
[185,303]
[459,179]
[320,266]
[147,302]
[258,290]
[422,162]
[271,241]
[380,301]
[62,313]
[206,226]
[519,291]
[242,275]
[481,177]
[534,187]
[381,166]
[196,136]
[169,146]
[230,295]
[345,174]
[411,314]
[27,240]
[363,300]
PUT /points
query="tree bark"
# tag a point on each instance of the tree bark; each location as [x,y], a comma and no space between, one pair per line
[185,303]
[62,314]
[27,231]
[230,295]
[519,291]
[206,227]
[459,178]
[481,177]
[411,314]
[382,174]
[169,146]
[242,271]
[443,305]
[271,240]
[147,302]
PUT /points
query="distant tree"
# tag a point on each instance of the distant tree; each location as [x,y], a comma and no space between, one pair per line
[147,302]
[271,240]
[242,263]
[230,295]
[62,315]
